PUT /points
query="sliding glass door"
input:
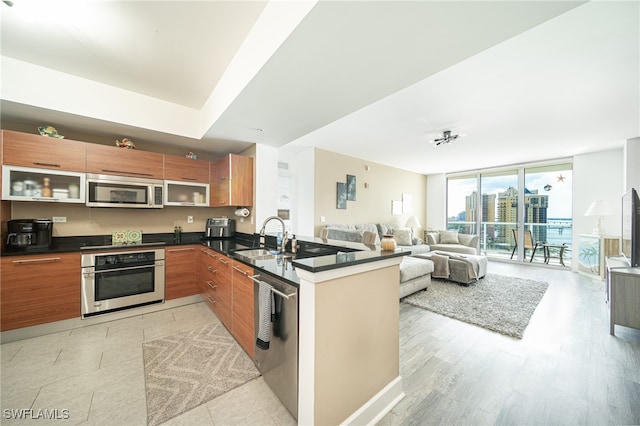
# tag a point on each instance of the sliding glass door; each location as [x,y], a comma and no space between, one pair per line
[520,213]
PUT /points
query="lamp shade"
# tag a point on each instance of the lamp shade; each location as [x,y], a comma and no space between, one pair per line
[412,222]
[600,208]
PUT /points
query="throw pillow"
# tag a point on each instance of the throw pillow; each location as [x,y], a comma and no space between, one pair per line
[403,237]
[433,238]
[449,237]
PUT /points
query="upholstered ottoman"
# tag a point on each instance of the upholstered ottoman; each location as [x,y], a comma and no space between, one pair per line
[461,268]
[415,274]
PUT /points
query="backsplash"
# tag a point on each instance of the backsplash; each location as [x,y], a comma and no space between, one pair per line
[82,220]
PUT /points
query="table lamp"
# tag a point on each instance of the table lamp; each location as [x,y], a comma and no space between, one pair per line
[412,222]
[599,209]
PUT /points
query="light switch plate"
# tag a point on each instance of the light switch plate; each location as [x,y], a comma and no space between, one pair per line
[189,219]
[59,219]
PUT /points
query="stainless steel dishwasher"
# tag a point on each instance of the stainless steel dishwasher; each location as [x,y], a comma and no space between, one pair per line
[276,321]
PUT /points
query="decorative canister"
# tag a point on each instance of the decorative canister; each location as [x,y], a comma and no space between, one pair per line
[74,191]
[388,243]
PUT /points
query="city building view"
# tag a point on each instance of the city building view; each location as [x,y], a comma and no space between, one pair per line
[546,214]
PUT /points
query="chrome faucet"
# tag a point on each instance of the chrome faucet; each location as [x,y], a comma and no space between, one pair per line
[285,239]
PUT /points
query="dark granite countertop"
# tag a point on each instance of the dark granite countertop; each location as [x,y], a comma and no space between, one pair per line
[314,254]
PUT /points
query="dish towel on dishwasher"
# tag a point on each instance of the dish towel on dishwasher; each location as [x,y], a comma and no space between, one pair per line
[265,307]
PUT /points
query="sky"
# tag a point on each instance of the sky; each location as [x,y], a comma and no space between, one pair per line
[560,193]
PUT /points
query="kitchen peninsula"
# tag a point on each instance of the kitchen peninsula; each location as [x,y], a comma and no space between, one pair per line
[348,323]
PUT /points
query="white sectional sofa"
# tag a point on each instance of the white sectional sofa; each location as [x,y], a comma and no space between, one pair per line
[452,241]
[415,273]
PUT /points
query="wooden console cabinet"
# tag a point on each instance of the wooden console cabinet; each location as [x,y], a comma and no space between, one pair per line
[623,291]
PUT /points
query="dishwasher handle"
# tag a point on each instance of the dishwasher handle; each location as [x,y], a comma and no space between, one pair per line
[278,292]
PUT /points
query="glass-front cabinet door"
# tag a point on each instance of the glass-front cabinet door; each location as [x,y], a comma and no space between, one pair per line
[31,184]
[178,193]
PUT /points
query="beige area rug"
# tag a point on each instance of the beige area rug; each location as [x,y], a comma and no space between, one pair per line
[497,302]
[191,368]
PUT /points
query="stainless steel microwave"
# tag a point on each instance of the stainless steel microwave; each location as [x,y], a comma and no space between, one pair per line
[121,191]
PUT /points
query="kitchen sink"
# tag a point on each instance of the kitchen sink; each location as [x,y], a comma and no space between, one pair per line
[260,254]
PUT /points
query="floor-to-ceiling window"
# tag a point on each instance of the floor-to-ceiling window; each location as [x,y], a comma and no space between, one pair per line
[520,213]
[461,203]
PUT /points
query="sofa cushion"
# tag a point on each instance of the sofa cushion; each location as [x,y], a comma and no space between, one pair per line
[453,248]
[369,227]
[412,267]
[449,237]
[351,235]
[403,237]
[433,238]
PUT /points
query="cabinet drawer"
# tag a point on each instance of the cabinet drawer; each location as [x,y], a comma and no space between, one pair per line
[27,150]
[112,160]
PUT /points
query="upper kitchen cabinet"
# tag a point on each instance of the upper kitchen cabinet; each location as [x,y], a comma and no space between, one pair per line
[112,160]
[186,182]
[185,169]
[35,184]
[232,181]
[27,150]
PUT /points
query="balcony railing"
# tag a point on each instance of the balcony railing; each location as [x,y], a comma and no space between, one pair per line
[496,239]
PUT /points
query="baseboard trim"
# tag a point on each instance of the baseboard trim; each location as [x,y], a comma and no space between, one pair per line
[380,405]
[70,324]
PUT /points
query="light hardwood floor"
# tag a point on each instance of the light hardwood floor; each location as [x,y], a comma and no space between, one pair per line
[567,369]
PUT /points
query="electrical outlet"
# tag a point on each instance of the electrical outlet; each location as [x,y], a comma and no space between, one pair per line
[59,219]
[322,219]
[189,219]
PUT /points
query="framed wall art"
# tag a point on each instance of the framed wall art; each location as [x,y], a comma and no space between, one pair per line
[351,188]
[341,197]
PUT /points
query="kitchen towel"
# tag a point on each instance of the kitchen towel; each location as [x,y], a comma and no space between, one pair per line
[265,306]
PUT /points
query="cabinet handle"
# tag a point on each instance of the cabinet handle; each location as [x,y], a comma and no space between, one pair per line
[210,284]
[210,254]
[213,271]
[180,249]
[126,172]
[187,178]
[213,302]
[45,199]
[222,261]
[240,270]
[37,163]
[41,260]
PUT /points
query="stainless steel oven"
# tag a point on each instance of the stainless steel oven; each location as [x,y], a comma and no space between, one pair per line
[116,280]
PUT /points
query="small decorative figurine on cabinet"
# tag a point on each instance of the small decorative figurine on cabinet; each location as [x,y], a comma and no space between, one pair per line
[125,143]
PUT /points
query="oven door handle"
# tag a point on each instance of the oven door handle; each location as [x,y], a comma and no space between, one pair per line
[121,269]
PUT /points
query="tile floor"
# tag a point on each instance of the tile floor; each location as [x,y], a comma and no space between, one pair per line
[95,376]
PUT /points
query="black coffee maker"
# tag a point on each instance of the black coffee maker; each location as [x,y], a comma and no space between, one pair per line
[29,234]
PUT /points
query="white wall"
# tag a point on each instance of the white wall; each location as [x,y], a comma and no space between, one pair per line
[597,176]
[266,187]
[436,201]
[632,164]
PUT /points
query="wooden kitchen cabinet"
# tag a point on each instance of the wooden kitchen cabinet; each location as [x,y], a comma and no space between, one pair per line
[27,150]
[112,160]
[185,169]
[181,271]
[38,289]
[215,284]
[232,181]
[243,309]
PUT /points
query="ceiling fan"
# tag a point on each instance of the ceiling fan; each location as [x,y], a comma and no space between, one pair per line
[446,137]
